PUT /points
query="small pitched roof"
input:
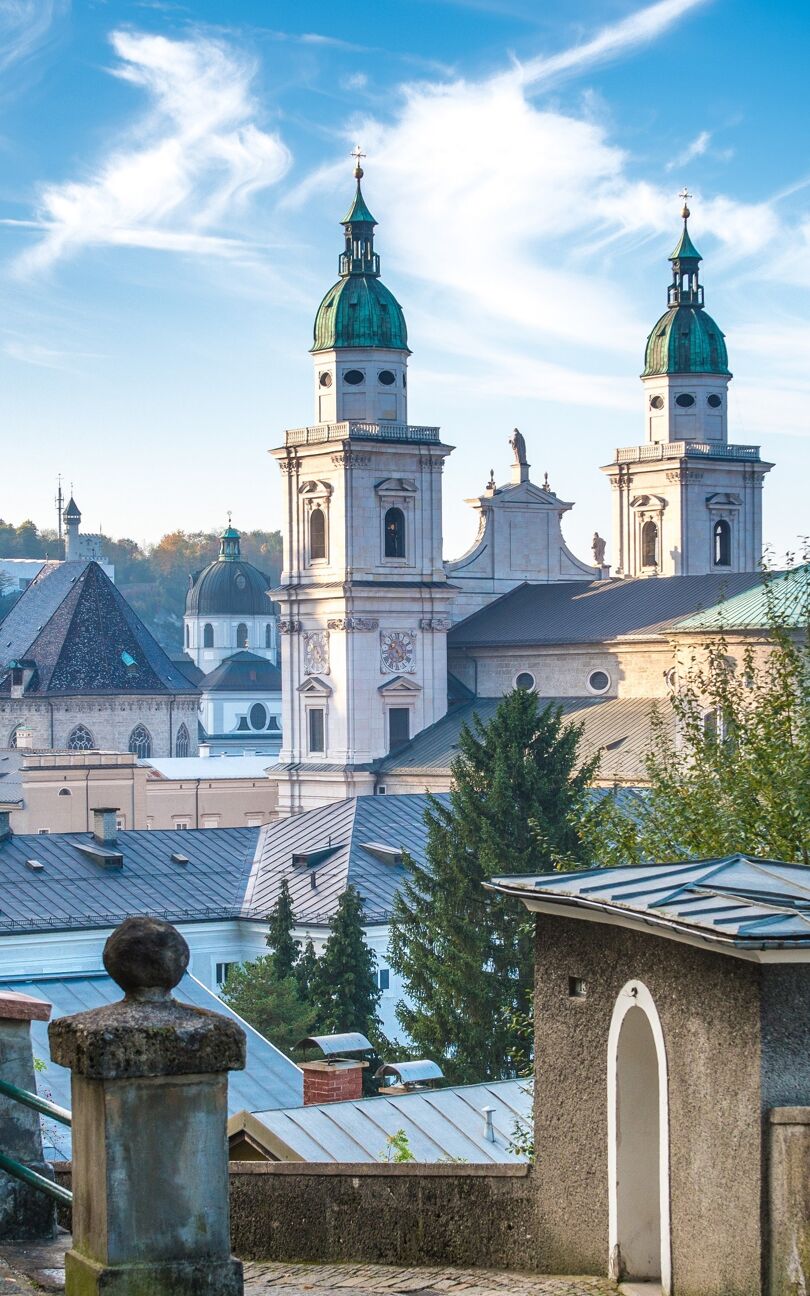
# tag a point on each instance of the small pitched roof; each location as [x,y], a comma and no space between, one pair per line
[269,1076]
[440,1125]
[71,513]
[594,611]
[243,672]
[84,638]
[339,845]
[735,904]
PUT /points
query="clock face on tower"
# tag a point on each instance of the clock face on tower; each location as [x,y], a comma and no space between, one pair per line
[397,651]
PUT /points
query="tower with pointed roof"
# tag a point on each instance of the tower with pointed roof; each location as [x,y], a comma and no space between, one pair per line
[364,597]
[686,502]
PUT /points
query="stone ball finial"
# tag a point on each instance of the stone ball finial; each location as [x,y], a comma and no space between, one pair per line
[146,957]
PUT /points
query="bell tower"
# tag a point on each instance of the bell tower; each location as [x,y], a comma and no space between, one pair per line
[364,598]
[686,502]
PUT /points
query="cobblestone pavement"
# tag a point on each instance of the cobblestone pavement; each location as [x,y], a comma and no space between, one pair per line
[29,1269]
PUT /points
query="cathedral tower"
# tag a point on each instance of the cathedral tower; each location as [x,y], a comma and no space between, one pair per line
[686,502]
[364,599]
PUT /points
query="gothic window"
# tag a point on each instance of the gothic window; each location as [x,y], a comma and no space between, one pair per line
[317,534]
[12,738]
[80,739]
[208,635]
[140,742]
[182,742]
[395,533]
[241,635]
[649,544]
[722,544]
[268,635]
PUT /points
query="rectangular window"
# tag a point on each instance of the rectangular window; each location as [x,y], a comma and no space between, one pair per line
[399,727]
[120,823]
[222,973]
[316,730]
[181,825]
[210,821]
[385,978]
[253,821]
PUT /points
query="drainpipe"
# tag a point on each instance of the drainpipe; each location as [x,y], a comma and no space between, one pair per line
[197,804]
[50,708]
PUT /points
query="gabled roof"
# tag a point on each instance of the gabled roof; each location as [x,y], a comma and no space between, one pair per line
[595,611]
[736,903]
[331,849]
[619,726]
[73,891]
[243,672]
[84,638]
[440,1125]
[269,1076]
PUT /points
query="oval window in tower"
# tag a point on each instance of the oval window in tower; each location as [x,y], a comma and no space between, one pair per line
[657,402]
[684,400]
[258,716]
[714,400]
[387,378]
[354,377]
[325,379]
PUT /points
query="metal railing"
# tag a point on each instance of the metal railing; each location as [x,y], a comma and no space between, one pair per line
[685,450]
[22,1172]
[356,430]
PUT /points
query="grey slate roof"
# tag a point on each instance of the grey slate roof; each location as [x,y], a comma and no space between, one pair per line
[243,672]
[439,1123]
[337,836]
[619,726]
[595,611]
[738,901]
[77,627]
[11,791]
[71,891]
[269,1076]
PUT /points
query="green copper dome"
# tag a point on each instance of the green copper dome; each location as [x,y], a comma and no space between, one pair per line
[359,311]
[685,340]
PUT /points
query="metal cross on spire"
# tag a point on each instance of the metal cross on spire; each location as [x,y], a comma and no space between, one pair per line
[357,153]
[685,194]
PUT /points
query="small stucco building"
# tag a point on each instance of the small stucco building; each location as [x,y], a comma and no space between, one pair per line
[672,1082]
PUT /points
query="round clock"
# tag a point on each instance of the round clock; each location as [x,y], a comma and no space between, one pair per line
[397,650]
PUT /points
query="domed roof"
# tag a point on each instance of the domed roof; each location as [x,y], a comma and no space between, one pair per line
[359,311]
[685,340]
[229,586]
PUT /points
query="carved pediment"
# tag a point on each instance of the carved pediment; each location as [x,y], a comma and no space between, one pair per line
[723,500]
[649,502]
[396,486]
[315,686]
[400,684]
[313,488]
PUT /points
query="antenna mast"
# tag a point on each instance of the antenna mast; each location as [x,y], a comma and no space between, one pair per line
[59,502]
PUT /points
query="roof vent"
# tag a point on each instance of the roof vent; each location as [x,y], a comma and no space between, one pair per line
[388,854]
[311,859]
[489,1128]
[34,865]
[408,1076]
[177,858]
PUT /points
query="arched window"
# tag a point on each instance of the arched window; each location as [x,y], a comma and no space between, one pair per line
[208,635]
[12,738]
[268,635]
[241,635]
[317,534]
[188,637]
[722,544]
[182,742]
[395,533]
[140,742]
[649,544]
[80,739]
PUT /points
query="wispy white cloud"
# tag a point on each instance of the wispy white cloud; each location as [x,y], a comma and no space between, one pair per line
[24,25]
[192,159]
[696,148]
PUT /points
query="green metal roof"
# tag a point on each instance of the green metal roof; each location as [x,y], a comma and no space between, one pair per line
[359,311]
[359,210]
[685,340]
[686,249]
[778,597]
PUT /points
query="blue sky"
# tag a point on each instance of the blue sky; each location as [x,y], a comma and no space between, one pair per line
[171,178]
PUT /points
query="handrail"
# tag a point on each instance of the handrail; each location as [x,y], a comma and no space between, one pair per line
[42,1105]
[35,1179]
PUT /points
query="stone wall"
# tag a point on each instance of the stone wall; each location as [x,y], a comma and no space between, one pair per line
[110,720]
[408,1215]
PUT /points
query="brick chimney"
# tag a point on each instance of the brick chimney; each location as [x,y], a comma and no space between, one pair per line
[104,829]
[334,1081]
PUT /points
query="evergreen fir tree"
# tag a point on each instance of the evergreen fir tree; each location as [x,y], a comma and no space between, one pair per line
[306,972]
[466,955]
[346,993]
[284,948]
[273,1007]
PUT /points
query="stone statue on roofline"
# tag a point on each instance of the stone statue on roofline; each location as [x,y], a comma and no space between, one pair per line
[520,466]
[598,545]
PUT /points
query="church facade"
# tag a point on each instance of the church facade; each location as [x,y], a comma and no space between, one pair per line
[367,600]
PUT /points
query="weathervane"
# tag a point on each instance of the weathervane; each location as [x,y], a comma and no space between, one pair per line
[357,153]
[685,194]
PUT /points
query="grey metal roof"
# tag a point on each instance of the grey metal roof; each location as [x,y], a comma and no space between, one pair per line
[595,611]
[440,1124]
[268,1078]
[337,837]
[411,1072]
[210,768]
[70,890]
[11,791]
[334,1045]
[620,727]
[84,638]
[737,901]
[243,672]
